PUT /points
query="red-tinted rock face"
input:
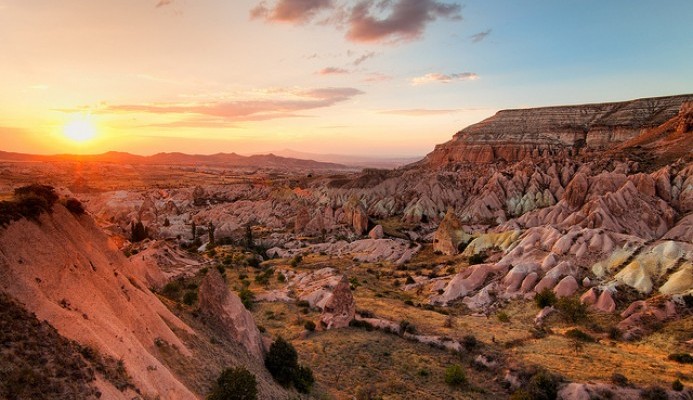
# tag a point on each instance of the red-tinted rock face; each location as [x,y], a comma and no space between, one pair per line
[512,135]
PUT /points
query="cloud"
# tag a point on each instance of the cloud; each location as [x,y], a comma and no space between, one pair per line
[377,77]
[292,11]
[406,19]
[163,3]
[366,20]
[332,71]
[442,78]
[359,60]
[418,112]
[478,37]
[285,103]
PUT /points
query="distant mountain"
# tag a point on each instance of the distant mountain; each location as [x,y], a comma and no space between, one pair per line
[221,159]
[350,160]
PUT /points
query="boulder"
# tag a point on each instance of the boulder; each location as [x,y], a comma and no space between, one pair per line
[376,232]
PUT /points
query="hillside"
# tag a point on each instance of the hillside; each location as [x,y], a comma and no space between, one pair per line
[60,266]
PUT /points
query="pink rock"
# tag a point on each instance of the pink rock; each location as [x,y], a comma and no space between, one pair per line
[605,303]
[589,297]
[528,282]
[376,232]
[544,283]
[566,287]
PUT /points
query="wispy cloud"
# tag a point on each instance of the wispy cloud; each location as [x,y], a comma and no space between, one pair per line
[377,77]
[389,21]
[162,3]
[333,71]
[293,11]
[276,103]
[364,57]
[478,37]
[443,78]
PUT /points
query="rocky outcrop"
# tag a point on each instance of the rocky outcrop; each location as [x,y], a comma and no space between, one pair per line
[66,271]
[450,235]
[512,135]
[340,309]
[224,307]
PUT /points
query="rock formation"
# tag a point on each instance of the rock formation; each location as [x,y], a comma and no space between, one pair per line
[224,307]
[339,310]
[512,135]
[450,235]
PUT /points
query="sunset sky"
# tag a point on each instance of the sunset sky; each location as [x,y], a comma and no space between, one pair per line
[381,77]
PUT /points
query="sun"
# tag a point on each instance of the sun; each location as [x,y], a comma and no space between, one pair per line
[80,130]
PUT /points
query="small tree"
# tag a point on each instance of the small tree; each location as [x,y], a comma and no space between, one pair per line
[249,243]
[210,232]
[572,309]
[235,384]
[454,376]
[193,228]
[282,361]
[545,298]
[138,232]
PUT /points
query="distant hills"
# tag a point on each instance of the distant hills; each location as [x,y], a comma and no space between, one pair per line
[269,161]
[350,160]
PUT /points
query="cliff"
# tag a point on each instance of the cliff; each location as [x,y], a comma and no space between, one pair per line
[512,135]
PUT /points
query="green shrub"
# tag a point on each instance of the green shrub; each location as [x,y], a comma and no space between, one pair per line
[74,206]
[577,334]
[303,379]
[619,379]
[247,297]
[681,358]
[172,290]
[234,384]
[296,260]
[455,376]
[572,309]
[543,386]
[677,386]
[406,326]
[503,317]
[281,278]
[190,297]
[654,393]
[309,325]
[545,298]
[477,259]
[282,362]
[470,342]
[409,280]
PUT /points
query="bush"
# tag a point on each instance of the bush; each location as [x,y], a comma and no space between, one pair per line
[543,386]
[282,362]
[572,309]
[545,298]
[470,342]
[454,376]
[190,297]
[303,379]
[503,317]
[234,384]
[477,259]
[74,206]
[654,393]
[247,298]
[577,334]
[409,280]
[172,290]
[29,202]
[681,358]
[619,379]
[296,260]
[309,325]
[677,386]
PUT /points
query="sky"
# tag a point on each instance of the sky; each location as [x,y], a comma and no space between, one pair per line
[363,77]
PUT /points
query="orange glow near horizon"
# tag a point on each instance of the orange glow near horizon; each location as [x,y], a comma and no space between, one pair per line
[80,129]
